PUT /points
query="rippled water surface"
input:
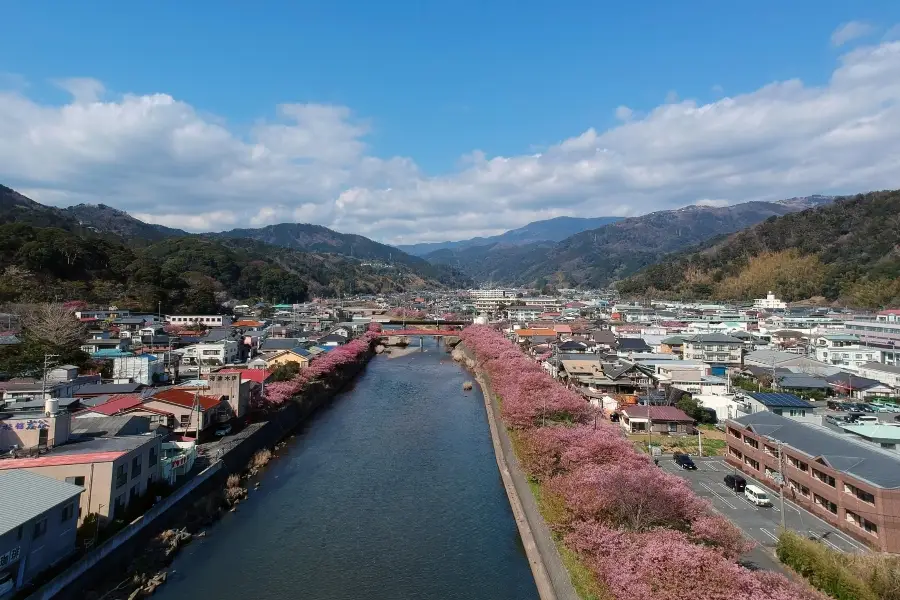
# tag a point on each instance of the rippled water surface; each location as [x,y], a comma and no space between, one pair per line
[390,493]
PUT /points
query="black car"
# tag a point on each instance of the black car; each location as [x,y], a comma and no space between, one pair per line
[684,461]
[735,482]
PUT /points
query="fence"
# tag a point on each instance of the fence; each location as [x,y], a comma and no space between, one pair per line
[68,576]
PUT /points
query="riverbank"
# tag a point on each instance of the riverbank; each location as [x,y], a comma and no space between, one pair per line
[550,574]
[104,572]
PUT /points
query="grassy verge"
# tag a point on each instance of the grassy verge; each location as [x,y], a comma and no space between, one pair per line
[669,444]
[583,580]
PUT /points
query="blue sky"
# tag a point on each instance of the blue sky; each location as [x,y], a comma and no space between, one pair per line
[419,86]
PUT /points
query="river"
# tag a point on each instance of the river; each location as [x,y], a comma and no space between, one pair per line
[390,493]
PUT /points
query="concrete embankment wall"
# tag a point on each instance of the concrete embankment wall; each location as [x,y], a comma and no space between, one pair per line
[116,553]
[550,575]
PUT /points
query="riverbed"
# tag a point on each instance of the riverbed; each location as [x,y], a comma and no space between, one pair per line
[392,492]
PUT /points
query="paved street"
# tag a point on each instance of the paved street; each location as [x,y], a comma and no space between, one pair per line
[758,522]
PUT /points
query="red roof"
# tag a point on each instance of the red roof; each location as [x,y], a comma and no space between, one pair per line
[257,375]
[185,397]
[890,311]
[117,403]
[657,413]
[246,323]
[562,328]
[56,461]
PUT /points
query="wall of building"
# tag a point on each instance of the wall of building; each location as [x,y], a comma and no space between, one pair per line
[25,430]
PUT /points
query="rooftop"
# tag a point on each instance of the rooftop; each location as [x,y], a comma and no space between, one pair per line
[780,400]
[25,495]
[869,464]
[657,413]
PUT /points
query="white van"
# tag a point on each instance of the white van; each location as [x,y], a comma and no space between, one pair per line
[867,419]
[757,495]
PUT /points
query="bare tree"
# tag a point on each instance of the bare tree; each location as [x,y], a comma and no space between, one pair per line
[52,324]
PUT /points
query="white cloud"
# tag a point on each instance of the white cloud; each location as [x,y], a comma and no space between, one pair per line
[623,113]
[671,97]
[712,202]
[84,90]
[850,31]
[165,161]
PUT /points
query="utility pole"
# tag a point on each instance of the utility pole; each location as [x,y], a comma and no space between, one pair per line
[781,477]
[48,358]
[699,442]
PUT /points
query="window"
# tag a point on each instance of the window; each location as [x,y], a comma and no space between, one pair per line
[799,465]
[751,442]
[861,494]
[121,476]
[68,512]
[136,466]
[152,460]
[673,427]
[134,493]
[770,450]
[823,477]
[862,522]
[734,432]
[118,506]
[799,488]
[75,480]
[752,463]
[825,503]
[40,528]
[735,453]
[185,420]
[798,412]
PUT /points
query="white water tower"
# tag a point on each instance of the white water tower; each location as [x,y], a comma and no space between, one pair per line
[51,407]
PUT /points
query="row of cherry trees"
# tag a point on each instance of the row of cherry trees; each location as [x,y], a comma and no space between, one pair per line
[642,531]
[321,366]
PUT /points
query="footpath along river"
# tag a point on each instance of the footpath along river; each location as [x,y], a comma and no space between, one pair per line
[390,493]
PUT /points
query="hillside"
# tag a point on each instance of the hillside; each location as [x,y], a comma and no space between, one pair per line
[548,230]
[105,256]
[108,219]
[316,238]
[597,257]
[848,251]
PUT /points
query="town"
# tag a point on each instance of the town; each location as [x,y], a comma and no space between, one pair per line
[797,404]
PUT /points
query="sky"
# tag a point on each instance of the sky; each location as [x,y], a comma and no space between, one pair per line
[415,120]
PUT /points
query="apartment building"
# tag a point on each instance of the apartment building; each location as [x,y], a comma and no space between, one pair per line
[490,300]
[844,350]
[716,349]
[853,486]
[886,374]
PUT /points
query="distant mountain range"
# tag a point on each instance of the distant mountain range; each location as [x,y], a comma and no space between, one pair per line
[847,251]
[597,257]
[549,230]
[108,219]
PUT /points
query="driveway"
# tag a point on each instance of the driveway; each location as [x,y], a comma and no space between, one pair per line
[759,523]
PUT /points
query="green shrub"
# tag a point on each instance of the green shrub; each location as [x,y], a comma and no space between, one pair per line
[825,570]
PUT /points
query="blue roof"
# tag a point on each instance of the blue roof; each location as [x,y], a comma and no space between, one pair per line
[324,348]
[300,351]
[110,353]
[780,399]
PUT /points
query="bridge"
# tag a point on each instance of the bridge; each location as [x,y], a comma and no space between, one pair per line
[415,332]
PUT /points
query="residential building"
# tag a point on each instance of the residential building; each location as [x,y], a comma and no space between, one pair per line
[102,315]
[36,429]
[716,349]
[37,526]
[844,350]
[186,404]
[847,384]
[301,356]
[145,369]
[535,336]
[658,419]
[523,314]
[849,484]
[781,404]
[489,301]
[886,374]
[214,353]
[770,302]
[113,471]
[208,320]
[772,359]
[631,345]
[886,437]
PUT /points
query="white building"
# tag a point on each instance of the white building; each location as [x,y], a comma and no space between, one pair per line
[770,302]
[221,353]
[490,300]
[208,320]
[145,369]
[886,374]
[714,349]
[844,351]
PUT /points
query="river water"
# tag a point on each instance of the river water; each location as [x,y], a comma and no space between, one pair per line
[390,493]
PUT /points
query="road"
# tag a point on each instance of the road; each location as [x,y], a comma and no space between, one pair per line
[760,523]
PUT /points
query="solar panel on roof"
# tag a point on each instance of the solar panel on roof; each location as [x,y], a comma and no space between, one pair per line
[780,399]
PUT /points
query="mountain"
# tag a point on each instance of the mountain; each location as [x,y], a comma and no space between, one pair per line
[316,238]
[104,256]
[549,230]
[108,219]
[847,251]
[599,256]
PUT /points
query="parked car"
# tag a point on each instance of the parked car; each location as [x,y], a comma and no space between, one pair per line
[757,496]
[684,461]
[736,482]
[223,430]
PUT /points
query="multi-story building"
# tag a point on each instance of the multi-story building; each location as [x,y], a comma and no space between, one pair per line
[37,526]
[223,352]
[489,301]
[885,329]
[886,374]
[844,350]
[849,484]
[718,350]
[770,302]
[208,320]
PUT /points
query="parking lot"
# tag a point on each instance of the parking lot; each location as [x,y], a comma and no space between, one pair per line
[760,523]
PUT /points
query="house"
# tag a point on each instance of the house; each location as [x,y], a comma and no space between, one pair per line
[332,339]
[145,369]
[95,346]
[849,484]
[802,383]
[779,403]
[604,338]
[773,359]
[716,349]
[673,344]
[535,336]
[844,350]
[113,471]
[886,437]
[628,345]
[886,374]
[573,346]
[846,384]
[103,389]
[658,419]
[301,356]
[213,353]
[274,345]
[37,526]
[37,429]
[186,404]
[9,340]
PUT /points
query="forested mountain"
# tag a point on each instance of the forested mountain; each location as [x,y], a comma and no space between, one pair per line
[50,254]
[548,230]
[847,251]
[108,219]
[597,257]
[316,238]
